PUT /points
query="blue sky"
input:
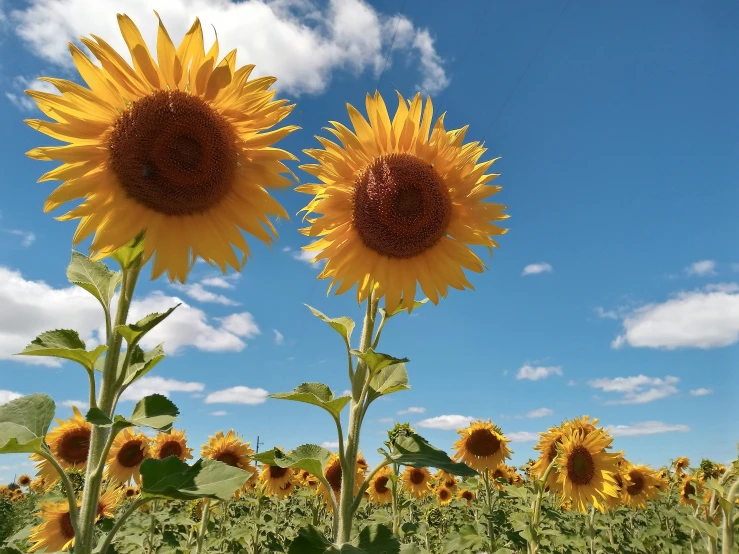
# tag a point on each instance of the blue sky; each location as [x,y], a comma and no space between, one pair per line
[615,293]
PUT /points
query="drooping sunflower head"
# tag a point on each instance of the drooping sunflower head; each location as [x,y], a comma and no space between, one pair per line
[70,443]
[547,446]
[399,203]
[466,495]
[24,480]
[586,470]
[333,474]
[689,489]
[173,443]
[640,486]
[681,464]
[55,532]
[129,449]
[307,479]
[444,495]
[417,481]
[380,491]
[277,481]
[613,502]
[229,449]
[483,445]
[179,148]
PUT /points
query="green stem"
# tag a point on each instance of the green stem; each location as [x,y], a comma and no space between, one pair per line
[93,388]
[120,521]
[74,516]
[591,529]
[489,506]
[202,530]
[396,501]
[728,523]
[152,526]
[535,516]
[365,484]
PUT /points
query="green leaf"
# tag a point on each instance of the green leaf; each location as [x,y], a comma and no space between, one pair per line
[172,478]
[142,362]
[399,309]
[24,423]
[377,539]
[134,332]
[342,325]
[376,360]
[413,450]
[94,277]
[129,254]
[317,394]
[307,457]
[155,411]
[97,417]
[65,344]
[388,380]
[373,539]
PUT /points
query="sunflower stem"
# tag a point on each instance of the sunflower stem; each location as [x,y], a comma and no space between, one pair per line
[365,484]
[120,521]
[728,523]
[396,505]
[535,516]
[203,526]
[74,516]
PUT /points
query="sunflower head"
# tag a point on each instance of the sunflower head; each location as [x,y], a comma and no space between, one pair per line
[466,495]
[277,481]
[179,148]
[24,480]
[70,443]
[55,532]
[689,489]
[417,481]
[640,486]
[482,446]
[129,449]
[307,479]
[681,464]
[109,502]
[173,443]
[443,495]
[229,449]
[380,487]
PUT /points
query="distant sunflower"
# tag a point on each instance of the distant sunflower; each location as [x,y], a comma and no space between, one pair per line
[689,489]
[109,502]
[277,481]
[587,471]
[380,491]
[18,495]
[333,475]
[640,486]
[173,443]
[131,492]
[229,449]
[443,495]
[613,502]
[398,206]
[417,481]
[129,449]
[38,485]
[70,444]
[178,147]
[55,532]
[466,495]
[307,479]
[681,464]
[447,479]
[483,445]
[5,491]
[24,480]
[500,473]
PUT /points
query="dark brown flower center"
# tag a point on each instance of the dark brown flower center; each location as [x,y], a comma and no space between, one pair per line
[24,480]
[74,446]
[333,475]
[450,483]
[498,474]
[131,454]
[171,448]
[65,526]
[130,492]
[381,484]
[277,472]
[417,476]
[173,153]
[580,466]
[467,495]
[228,458]
[443,494]
[482,443]
[689,490]
[637,483]
[401,206]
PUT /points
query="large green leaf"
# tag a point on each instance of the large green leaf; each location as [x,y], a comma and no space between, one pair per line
[155,411]
[317,394]
[172,478]
[308,457]
[376,360]
[373,539]
[342,325]
[389,379]
[94,277]
[134,332]
[65,344]
[142,362]
[411,449]
[24,422]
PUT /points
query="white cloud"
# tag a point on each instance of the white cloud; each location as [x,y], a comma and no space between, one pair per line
[330,444]
[198,292]
[158,385]
[523,436]
[81,405]
[702,268]
[346,392]
[637,390]
[645,428]
[237,395]
[700,392]
[219,413]
[218,282]
[8,395]
[539,412]
[301,43]
[535,269]
[241,325]
[535,373]
[412,410]
[20,99]
[606,314]
[27,237]
[571,383]
[386,420]
[446,422]
[305,256]
[707,318]
[279,337]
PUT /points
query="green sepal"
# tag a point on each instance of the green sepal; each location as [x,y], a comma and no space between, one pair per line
[400,308]
[376,360]
[94,277]
[388,380]
[24,423]
[411,449]
[342,325]
[131,253]
[317,394]
[174,479]
[65,344]
[373,539]
[308,457]
[134,332]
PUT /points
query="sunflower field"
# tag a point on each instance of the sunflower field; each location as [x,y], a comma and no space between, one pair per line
[170,159]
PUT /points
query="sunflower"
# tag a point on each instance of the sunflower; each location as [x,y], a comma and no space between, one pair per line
[24,480]
[483,445]
[109,502]
[173,443]
[55,533]
[446,479]
[584,424]
[5,491]
[443,495]
[277,481]
[131,492]
[399,206]
[500,473]
[640,486]
[129,449]
[417,481]
[38,485]
[69,443]
[586,474]
[174,147]
[229,449]
[307,479]
[689,488]
[18,495]
[613,502]
[681,464]
[333,475]
[466,495]
[379,489]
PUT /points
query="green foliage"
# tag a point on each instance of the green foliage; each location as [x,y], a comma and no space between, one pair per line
[342,325]
[24,422]
[134,332]
[373,539]
[65,344]
[172,478]
[411,449]
[316,394]
[94,277]
[307,457]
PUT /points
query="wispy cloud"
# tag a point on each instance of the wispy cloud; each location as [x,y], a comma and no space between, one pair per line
[605,314]
[535,269]
[412,410]
[219,413]
[539,412]
[27,237]
[330,444]
[535,373]
[279,337]
[639,389]
[20,99]
[700,392]
[237,395]
[702,268]
[446,422]
[522,436]
[198,292]
[646,428]
[220,282]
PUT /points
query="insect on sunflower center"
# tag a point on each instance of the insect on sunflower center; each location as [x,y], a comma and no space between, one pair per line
[173,153]
[482,443]
[170,448]
[417,476]
[65,526]
[580,466]
[637,484]
[401,206]
[131,454]
[74,446]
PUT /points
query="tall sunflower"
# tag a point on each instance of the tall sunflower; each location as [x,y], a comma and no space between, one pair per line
[173,443]
[586,470]
[277,481]
[396,206]
[129,449]
[380,491]
[483,445]
[229,449]
[417,481]
[178,148]
[640,486]
[70,443]
[55,532]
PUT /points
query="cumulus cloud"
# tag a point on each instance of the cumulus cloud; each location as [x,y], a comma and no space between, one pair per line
[237,395]
[706,318]
[700,392]
[702,268]
[8,395]
[330,444]
[301,43]
[158,385]
[446,422]
[279,337]
[539,412]
[81,405]
[220,282]
[20,99]
[535,373]
[522,436]
[412,410]
[535,269]
[198,292]
[639,389]
[241,325]
[645,428]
